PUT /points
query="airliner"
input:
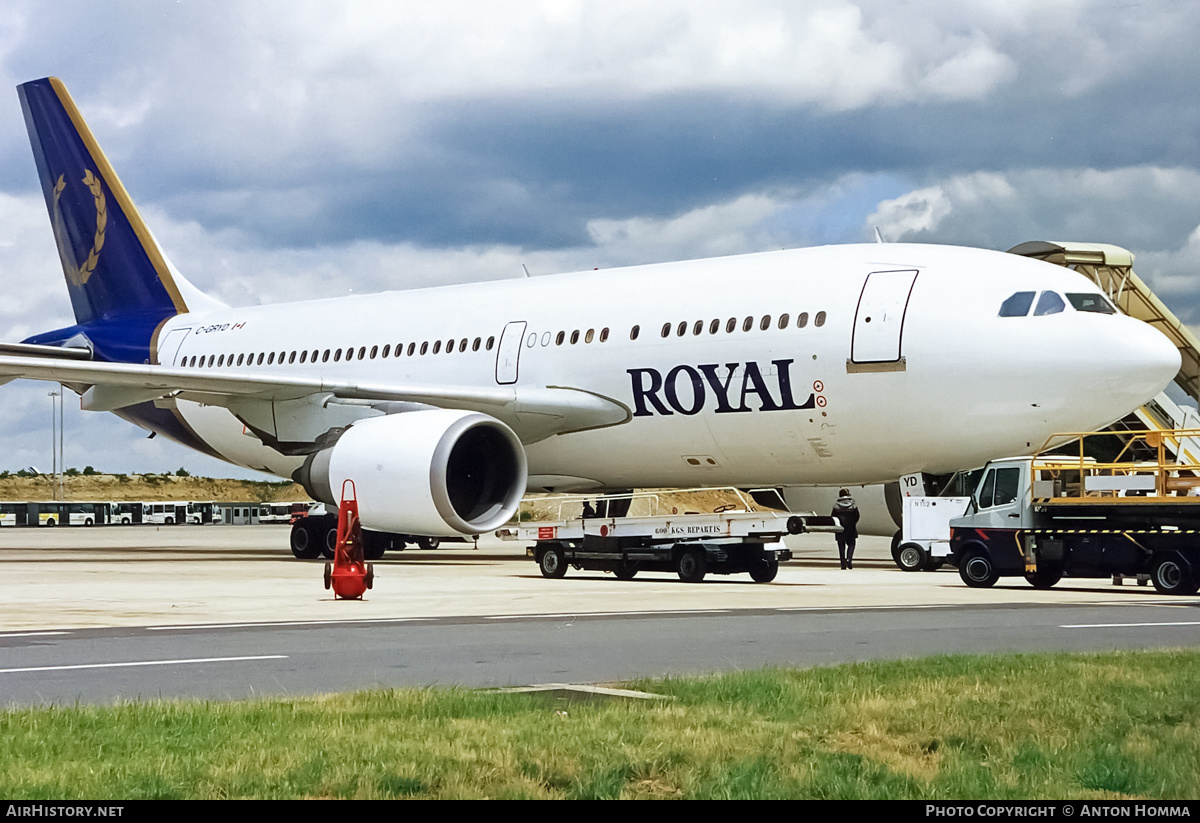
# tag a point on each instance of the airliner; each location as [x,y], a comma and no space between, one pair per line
[842,364]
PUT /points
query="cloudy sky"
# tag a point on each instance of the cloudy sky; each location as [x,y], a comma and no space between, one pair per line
[286,150]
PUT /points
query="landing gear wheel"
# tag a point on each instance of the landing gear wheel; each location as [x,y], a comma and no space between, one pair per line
[911,557]
[1172,575]
[1044,578]
[552,563]
[977,570]
[428,543]
[374,545]
[304,547]
[765,572]
[691,565]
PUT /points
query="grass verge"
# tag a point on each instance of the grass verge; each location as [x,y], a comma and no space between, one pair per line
[1113,725]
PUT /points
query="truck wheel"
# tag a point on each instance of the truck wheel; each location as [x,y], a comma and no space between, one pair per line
[304,547]
[977,570]
[911,557]
[765,572]
[1044,578]
[691,565]
[625,570]
[552,562]
[428,543]
[1171,575]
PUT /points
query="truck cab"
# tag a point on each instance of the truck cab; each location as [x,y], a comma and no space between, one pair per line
[991,538]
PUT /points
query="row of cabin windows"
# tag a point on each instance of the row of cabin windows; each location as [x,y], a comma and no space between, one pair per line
[731,325]
[336,355]
[561,337]
[363,353]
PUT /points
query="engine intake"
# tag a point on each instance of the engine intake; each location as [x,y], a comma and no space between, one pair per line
[436,472]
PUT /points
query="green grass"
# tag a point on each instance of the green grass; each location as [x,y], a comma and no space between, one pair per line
[1113,725]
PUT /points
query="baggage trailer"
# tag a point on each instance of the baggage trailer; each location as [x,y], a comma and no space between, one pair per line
[733,540]
[1120,508]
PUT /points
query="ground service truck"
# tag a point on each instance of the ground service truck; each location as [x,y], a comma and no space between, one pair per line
[1119,506]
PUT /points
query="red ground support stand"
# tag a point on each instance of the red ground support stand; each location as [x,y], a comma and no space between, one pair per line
[349,575]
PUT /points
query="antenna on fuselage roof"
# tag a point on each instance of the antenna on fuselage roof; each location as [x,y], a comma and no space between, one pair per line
[879,236]
[525,270]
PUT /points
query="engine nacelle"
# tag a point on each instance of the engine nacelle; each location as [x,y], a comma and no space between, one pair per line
[436,472]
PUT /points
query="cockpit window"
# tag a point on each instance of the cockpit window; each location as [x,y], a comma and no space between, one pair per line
[1091,302]
[1049,303]
[1017,305]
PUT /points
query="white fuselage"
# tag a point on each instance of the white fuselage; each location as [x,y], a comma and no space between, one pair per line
[782,403]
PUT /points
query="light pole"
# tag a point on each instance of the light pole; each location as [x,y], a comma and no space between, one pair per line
[56,441]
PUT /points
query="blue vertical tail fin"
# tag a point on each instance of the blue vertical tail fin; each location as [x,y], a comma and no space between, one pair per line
[121,286]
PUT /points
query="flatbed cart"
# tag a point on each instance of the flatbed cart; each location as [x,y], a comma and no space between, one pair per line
[732,540]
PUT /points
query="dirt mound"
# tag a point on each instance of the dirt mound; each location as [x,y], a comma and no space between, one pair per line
[150,488]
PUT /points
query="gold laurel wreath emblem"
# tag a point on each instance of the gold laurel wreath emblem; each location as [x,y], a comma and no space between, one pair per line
[93,183]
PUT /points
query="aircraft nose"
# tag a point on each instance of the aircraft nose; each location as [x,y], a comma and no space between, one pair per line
[1142,361]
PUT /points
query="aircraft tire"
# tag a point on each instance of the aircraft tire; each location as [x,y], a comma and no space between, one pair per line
[428,543]
[1172,575]
[374,545]
[552,562]
[304,547]
[977,569]
[911,557]
[691,565]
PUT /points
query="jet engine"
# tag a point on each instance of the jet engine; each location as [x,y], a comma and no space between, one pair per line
[433,472]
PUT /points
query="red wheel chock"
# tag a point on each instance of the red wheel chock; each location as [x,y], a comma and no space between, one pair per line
[349,575]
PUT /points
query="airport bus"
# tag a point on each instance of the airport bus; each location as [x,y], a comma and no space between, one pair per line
[64,514]
[179,512]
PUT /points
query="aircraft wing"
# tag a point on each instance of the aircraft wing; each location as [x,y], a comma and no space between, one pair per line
[264,401]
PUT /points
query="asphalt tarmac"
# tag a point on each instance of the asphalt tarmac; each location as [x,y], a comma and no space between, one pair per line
[128,613]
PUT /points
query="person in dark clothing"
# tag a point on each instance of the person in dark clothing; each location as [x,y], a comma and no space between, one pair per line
[588,511]
[846,512]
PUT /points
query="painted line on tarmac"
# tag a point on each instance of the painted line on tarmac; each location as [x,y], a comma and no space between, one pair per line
[32,634]
[197,626]
[1128,625]
[539,616]
[180,662]
[896,607]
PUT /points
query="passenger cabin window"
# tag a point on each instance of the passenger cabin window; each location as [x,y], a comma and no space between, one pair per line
[1091,302]
[1049,303]
[1017,305]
